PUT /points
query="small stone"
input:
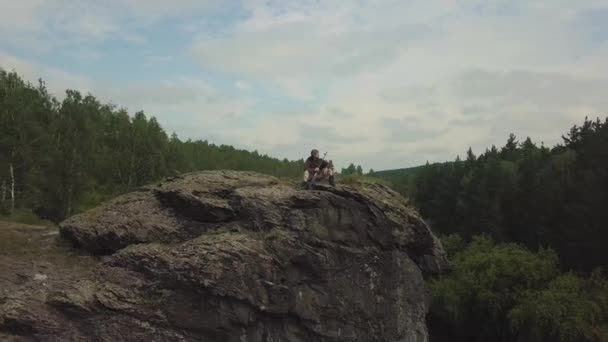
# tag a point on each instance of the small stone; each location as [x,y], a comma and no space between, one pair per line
[40,277]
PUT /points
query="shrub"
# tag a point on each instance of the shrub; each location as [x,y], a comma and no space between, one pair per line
[564,311]
[485,284]
[505,292]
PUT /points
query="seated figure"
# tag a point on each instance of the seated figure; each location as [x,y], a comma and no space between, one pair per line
[316,168]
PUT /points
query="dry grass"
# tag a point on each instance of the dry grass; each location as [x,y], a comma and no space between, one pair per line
[37,243]
[354,180]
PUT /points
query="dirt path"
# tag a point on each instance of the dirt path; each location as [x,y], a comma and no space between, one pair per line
[35,255]
[17,238]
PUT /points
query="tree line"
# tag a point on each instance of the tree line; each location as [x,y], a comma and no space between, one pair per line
[529,194]
[62,157]
[352,170]
[525,230]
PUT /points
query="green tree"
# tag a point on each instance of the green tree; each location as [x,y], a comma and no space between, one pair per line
[527,194]
[485,285]
[569,309]
[57,159]
[350,170]
[505,292]
[23,142]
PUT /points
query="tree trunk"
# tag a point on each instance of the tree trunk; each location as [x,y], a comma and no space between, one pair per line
[3,191]
[131,167]
[70,188]
[12,173]
[69,204]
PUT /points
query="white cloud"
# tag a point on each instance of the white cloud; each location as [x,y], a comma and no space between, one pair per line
[151,60]
[526,65]
[43,26]
[384,83]
[191,107]
[57,80]
[242,85]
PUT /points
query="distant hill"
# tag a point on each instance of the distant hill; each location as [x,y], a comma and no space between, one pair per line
[397,173]
[400,179]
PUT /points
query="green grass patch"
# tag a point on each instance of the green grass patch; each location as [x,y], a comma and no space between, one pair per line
[360,180]
[26,216]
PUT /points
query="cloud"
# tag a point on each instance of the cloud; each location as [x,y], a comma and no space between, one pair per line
[191,107]
[530,103]
[242,85]
[321,134]
[337,113]
[424,80]
[384,83]
[47,24]
[411,130]
[57,80]
[154,60]
[536,89]
[43,26]
[157,9]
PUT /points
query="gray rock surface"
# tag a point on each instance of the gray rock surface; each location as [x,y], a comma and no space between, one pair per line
[230,256]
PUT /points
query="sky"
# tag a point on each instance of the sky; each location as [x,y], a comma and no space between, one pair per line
[384,83]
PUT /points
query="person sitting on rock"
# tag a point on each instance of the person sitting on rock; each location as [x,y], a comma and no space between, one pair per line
[316,168]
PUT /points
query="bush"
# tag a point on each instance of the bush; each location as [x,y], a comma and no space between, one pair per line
[505,292]
[453,244]
[564,311]
[485,284]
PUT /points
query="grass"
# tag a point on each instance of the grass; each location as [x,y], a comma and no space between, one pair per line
[360,180]
[26,216]
[25,249]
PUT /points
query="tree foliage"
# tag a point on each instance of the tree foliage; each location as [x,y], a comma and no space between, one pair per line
[64,157]
[528,194]
[505,292]
[352,170]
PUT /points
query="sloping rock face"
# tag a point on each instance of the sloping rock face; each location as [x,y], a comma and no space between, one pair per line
[237,256]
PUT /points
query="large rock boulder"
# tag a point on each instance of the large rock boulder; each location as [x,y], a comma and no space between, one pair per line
[236,256]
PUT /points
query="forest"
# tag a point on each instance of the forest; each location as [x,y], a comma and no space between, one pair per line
[58,158]
[529,194]
[525,227]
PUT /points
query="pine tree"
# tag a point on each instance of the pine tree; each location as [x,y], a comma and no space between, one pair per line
[509,151]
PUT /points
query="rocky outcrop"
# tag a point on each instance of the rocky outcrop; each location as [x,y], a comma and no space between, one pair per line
[236,256]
